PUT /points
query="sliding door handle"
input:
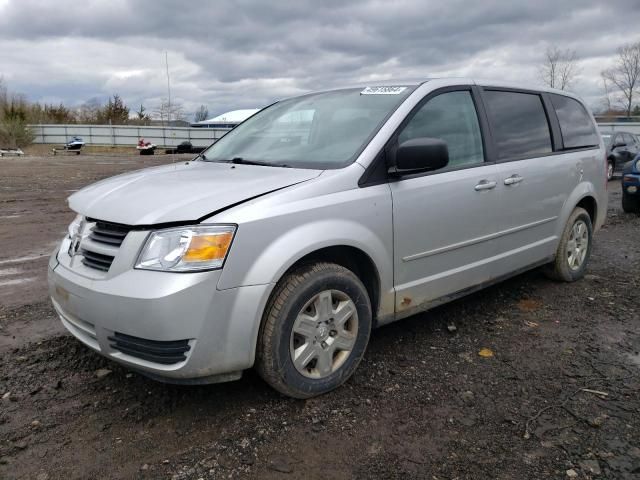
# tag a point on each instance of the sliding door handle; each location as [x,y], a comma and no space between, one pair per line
[485,185]
[513,179]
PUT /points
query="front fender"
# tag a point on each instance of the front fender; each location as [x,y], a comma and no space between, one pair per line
[267,245]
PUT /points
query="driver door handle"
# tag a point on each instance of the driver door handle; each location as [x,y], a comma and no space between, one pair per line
[485,185]
[513,179]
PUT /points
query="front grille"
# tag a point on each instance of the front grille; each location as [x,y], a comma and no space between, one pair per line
[165,352]
[109,233]
[96,260]
[104,240]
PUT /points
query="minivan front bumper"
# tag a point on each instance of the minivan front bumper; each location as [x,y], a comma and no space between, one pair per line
[173,326]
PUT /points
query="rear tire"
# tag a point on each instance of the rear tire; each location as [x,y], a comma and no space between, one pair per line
[630,204]
[574,248]
[314,331]
[610,169]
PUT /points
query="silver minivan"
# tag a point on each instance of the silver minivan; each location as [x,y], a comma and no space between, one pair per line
[323,216]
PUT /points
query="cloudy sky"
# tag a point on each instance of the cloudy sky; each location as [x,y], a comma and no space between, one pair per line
[247,53]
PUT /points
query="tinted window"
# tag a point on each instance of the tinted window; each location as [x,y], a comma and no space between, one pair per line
[575,124]
[518,123]
[451,117]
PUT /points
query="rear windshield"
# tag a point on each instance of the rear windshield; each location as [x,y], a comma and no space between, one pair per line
[575,123]
[318,131]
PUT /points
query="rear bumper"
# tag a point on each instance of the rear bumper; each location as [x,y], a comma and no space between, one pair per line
[172,326]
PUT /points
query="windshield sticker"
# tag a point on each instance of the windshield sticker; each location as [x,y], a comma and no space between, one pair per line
[383,90]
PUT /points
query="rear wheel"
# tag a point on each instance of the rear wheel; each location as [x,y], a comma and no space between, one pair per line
[315,330]
[574,248]
[610,169]
[630,203]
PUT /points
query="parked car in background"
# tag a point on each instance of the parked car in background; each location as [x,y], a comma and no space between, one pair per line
[631,186]
[622,147]
[322,216]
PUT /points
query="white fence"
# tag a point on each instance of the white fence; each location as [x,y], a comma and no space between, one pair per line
[126,135]
[631,127]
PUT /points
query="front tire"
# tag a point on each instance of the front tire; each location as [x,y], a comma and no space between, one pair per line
[315,330]
[630,204]
[574,249]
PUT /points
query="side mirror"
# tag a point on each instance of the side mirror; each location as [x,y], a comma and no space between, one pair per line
[421,154]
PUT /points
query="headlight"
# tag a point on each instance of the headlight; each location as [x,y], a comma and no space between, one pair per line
[186,249]
[74,227]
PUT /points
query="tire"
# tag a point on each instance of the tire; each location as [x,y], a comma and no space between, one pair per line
[630,204]
[327,352]
[568,267]
[610,169]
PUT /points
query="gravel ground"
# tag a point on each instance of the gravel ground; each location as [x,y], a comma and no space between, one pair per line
[527,379]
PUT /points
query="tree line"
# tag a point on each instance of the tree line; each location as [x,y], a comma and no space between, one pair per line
[16,112]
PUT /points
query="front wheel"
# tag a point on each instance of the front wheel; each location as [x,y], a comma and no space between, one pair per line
[610,169]
[630,203]
[315,330]
[574,248]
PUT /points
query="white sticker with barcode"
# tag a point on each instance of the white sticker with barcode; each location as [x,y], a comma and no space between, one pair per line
[383,90]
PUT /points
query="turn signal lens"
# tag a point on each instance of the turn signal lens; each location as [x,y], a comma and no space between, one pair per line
[208,247]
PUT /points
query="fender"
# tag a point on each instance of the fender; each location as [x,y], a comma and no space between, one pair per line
[582,190]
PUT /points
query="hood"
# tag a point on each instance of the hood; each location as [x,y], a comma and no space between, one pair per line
[185,191]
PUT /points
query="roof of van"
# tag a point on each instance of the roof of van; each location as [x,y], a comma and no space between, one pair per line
[413,82]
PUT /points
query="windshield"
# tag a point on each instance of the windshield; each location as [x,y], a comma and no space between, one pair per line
[319,131]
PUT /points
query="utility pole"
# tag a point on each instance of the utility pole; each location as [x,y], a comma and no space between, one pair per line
[166,61]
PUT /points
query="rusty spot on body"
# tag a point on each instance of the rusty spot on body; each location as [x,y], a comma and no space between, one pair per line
[406,301]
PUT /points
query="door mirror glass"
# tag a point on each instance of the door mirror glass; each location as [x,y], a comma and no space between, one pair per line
[421,154]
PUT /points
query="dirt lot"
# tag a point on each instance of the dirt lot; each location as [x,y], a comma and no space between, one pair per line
[558,396]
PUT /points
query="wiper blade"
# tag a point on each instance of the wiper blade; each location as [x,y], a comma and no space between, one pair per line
[244,161]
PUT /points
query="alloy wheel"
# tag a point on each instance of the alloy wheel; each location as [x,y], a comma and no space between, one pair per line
[578,245]
[324,334]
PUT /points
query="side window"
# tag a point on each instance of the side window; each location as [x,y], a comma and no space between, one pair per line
[575,124]
[518,124]
[451,117]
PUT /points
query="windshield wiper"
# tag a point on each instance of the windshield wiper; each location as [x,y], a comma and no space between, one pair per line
[244,161]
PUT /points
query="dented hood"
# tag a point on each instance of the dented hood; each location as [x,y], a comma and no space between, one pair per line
[186,191]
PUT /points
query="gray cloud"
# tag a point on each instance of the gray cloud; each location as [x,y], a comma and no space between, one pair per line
[248,53]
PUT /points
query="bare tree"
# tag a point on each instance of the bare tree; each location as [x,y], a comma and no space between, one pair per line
[202,113]
[89,111]
[3,93]
[166,112]
[625,74]
[560,67]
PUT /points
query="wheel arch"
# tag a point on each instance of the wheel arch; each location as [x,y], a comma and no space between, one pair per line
[351,258]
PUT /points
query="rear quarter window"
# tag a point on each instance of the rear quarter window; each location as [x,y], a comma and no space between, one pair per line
[575,124]
[518,124]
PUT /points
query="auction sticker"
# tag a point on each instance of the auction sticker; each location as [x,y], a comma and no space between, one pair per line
[383,90]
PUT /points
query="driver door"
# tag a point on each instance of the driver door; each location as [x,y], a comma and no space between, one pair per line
[443,220]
